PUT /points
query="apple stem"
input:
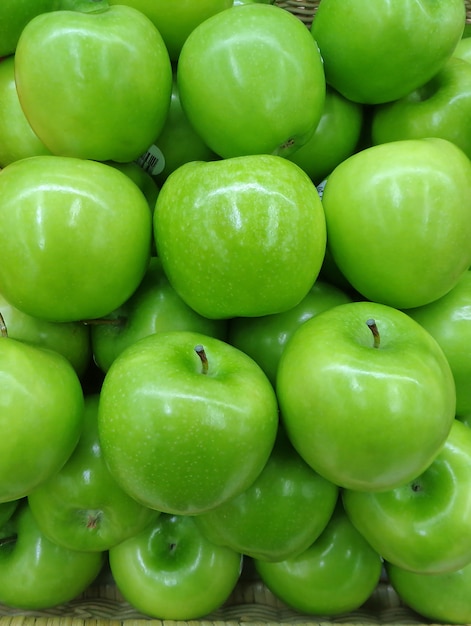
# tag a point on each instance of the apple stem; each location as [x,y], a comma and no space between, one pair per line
[105,321]
[5,541]
[374,329]
[3,327]
[204,359]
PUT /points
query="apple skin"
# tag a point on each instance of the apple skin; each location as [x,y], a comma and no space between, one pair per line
[347,31]
[448,320]
[335,575]
[251,81]
[154,307]
[86,233]
[463,49]
[439,108]
[335,138]
[176,20]
[411,525]
[387,231]
[264,338]
[43,388]
[7,509]
[141,178]
[170,571]
[280,515]
[14,15]
[17,138]
[240,237]
[365,418]
[81,507]
[35,573]
[441,598]
[180,440]
[71,339]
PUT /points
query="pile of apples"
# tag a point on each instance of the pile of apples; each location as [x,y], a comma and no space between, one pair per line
[235,303]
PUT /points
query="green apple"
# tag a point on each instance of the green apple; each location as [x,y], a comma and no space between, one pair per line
[335,138]
[439,108]
[14,15]
[17,138]
[154,307]
[141,178]
[448,319]
[71,339]
[264,338]
[82,507]
[186,421]
[440,598]
[176,20]
[178,140]
[379,52]
[251,81]
[94,84]
[463,49]
[367,396]
[240,237]
[280,515]
[386,227]
[412,525]
[170,571]
[35,573]
[75,240]
[41,415]
[335,575]
[7,509]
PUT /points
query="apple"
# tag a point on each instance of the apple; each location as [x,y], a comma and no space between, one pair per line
[280,515]
[141,178]
[170,571]
[41,415]
[440,598]
[411,525]
[251,81]
[75,240]
[17,138]
[439,108]
[178,141]
[448,320]
[186,421]
[240,237]
[81,507]
[264,338]
[335,575]
[76,100]
[335,138]
[36,573]
[366,395]
[7,509]
[176,20]
[387,231]
[14,15]
[154,307]
[379,52]
[463,49]
[71,339]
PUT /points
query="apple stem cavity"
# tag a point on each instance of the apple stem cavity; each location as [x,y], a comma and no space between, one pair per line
[375,332]
[204,359]
[3,327]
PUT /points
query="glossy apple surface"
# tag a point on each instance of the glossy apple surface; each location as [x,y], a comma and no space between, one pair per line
[17,138]
[448,319]
[336,574]
[154,307]
[95,84]
[365,417]
[439,108]
[240,237]
[181,435]
[14,15]
[441,598]
[170,571]
[82,507]
[251,81]
[386,227]
[280,515]
[40,388]
[374,52]
[264,338]
[75,238]
[36,573]
[412,526]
